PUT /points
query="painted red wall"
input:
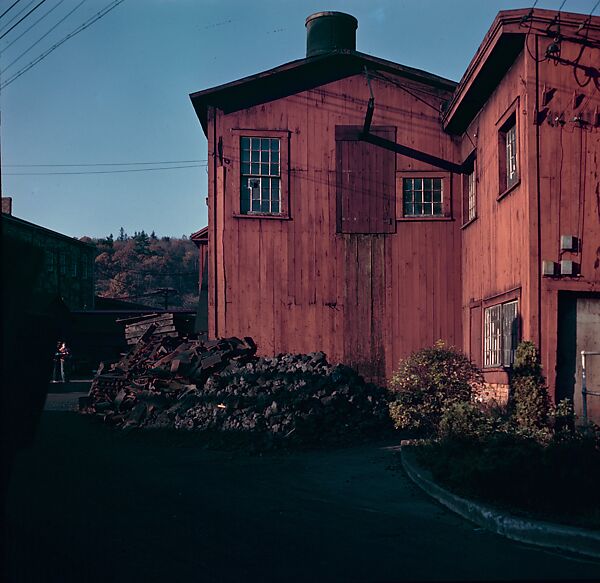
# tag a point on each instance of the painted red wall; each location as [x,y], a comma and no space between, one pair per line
[296,285]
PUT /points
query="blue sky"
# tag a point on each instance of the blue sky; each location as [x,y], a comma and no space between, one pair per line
[118,93]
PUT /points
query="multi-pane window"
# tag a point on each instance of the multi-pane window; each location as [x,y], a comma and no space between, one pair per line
[471,195]
[422,197]
[511,156]
[501,334]
[509,171]
[260,175]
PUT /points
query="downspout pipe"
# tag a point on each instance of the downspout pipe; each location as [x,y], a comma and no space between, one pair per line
[214,219]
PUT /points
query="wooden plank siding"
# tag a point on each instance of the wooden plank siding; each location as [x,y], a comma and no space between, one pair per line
[503,249]
[297,285]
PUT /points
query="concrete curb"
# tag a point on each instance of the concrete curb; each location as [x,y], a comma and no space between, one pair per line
[545,534]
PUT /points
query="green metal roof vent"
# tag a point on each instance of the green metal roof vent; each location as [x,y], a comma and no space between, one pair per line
[330,31]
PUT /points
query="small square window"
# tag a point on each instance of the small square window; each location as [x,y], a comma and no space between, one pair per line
[422,197]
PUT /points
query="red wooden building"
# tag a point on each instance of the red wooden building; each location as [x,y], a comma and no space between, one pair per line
[368,209]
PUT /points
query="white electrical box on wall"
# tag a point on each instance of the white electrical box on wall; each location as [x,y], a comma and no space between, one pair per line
[568,267]
[548,268]
[568,243]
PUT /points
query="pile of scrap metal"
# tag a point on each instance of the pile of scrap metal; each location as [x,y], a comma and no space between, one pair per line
[220,386]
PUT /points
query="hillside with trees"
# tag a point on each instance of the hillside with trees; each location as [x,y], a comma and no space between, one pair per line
[146,269]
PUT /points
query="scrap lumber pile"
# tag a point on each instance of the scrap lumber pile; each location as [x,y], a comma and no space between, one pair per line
[135,327]
[221,386]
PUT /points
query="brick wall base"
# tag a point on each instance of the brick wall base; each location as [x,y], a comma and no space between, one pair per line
[493,392]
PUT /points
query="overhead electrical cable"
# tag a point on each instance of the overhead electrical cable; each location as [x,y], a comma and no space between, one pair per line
[42,37]
[17,15]
[79,29]
[22,19]
[104,164]
[34,24]
[103,171]
[10,8]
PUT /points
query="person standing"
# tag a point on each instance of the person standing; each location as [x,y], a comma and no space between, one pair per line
[60,361]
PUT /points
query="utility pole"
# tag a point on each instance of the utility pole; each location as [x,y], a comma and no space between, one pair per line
[166,292]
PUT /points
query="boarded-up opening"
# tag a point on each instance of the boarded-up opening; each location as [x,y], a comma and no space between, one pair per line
[366,182]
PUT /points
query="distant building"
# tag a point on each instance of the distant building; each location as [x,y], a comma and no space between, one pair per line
[68,270]
[200,239]
[367,209]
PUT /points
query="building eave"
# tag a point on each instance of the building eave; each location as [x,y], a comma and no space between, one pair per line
[301,75]
[499,49]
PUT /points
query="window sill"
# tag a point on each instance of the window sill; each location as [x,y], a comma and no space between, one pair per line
[508,190]
[422,218]
[270,217]
[469,222]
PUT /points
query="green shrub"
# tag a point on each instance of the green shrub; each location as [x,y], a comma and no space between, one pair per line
[427,383]
[529,398]
[465,421]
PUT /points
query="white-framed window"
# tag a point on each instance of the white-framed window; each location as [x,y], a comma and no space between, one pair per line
[508,153]
[500,334]
[472,195]
[423,197]
[260,175]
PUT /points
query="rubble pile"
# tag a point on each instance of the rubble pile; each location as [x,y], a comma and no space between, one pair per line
[221,386]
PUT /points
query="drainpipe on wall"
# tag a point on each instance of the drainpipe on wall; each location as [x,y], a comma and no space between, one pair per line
[214,229]
[538,195]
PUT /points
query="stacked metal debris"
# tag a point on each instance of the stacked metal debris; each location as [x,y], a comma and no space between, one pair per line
[220,386]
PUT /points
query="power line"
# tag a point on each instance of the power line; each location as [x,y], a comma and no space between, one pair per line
[36,22]
[42,37]
[79,29]
[103,171]
[105,164]
[10,8]
[17,15]
[22,19]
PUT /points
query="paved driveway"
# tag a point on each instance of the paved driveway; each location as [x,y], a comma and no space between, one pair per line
[88,504]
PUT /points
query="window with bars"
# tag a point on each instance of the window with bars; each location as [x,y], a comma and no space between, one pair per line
[500,334]
[422,197]
[260,170]
[508,146]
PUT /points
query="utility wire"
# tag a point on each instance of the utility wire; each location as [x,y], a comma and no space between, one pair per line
[105,164]
[42,37]
[36,22]
[17,15]
[22,19]
[79,29]
[10,8]
[103,171]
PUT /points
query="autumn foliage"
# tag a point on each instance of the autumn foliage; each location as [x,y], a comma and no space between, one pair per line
[134,267]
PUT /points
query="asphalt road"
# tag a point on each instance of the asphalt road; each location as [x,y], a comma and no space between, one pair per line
[90,504]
